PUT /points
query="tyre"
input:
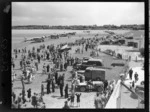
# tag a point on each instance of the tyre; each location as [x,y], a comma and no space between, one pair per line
[82,89]
[99,89]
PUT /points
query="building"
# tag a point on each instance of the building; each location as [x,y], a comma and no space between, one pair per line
[137,43]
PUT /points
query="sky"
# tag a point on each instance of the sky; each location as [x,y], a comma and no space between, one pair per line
[77,13]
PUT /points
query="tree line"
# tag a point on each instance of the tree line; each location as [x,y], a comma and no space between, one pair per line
[82,27]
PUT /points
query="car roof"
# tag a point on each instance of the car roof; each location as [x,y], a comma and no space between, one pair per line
[95,68]
[92,59]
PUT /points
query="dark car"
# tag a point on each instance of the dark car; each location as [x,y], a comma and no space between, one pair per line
[91,63]
[117,64]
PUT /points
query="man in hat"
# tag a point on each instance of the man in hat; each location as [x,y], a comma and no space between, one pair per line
[29,93]
[66,106]
[98,101]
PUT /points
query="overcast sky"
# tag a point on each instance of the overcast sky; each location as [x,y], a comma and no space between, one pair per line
[77,13]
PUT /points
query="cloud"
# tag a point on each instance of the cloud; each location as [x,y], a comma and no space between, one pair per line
[75,13]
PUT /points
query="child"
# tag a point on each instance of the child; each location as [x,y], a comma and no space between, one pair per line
[78,99]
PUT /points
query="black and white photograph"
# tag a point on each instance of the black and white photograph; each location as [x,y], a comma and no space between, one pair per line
[77,55]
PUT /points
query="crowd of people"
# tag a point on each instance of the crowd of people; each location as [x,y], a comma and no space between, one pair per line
[58,61]
[29,65]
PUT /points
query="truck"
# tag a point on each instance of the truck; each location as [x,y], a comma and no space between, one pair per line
[92,73]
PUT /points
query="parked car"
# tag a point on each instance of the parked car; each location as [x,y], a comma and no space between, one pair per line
[85,60]
[117,64]
[95,85]
[91,63]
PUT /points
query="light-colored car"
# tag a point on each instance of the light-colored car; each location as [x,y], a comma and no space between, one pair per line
[95,85]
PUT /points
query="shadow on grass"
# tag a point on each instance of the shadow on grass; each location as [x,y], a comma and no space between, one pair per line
[127,92]
[53,96]
[61,98]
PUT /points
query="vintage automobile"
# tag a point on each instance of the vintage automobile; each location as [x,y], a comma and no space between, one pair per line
[94,85]
[117,64]
[91,63]
[84,61]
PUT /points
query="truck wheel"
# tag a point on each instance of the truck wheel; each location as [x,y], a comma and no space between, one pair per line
[99,89]
[82,89]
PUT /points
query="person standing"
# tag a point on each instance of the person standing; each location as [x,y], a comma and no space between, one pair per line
[103,99]
[65,66]
[136,77]
[29,94]
[19,99]
[44,69]
[36,65]
[23,89]
[13,97]
[39,58]
[130,73]
[72,100]
[16,56]
[56,77]
[48,67]
[97,101]
[23,96]
[48,86]
[47,56]
[34,100]
[61,85]
[53,85]
[61,67]
[42,90]
[66,91]
[105,84]
[78,99]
